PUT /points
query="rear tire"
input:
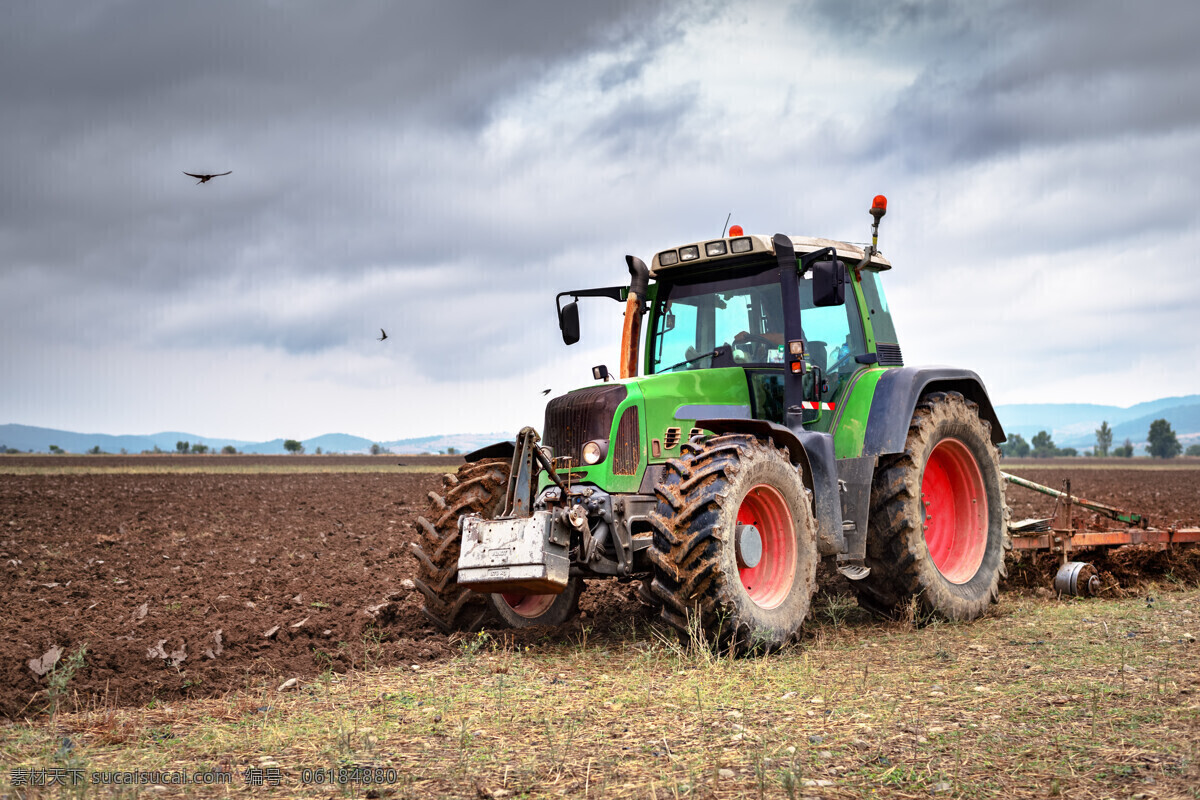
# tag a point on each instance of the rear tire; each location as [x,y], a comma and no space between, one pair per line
[700,572]
[477,488]
[939,523]
[538,609]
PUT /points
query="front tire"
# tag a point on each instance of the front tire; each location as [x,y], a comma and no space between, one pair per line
[735,548]
[526,611]
[477,488]
[939,523]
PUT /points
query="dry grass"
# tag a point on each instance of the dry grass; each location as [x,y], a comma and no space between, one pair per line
[1044,698]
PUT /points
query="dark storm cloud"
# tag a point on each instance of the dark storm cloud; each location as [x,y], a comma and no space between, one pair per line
[99,99]
[649,126]
[354,132]
[999,77]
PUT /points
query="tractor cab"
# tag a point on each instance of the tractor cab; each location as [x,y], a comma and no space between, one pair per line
[727,303]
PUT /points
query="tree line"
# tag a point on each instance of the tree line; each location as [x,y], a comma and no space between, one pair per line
[1161,442]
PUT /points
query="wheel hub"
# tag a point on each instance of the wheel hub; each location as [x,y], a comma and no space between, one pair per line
[749,546]
[954,511]
[768,570]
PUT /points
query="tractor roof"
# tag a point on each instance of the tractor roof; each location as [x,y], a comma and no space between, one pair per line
[687,257]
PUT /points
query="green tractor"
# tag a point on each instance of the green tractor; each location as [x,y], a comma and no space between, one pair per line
[773,424]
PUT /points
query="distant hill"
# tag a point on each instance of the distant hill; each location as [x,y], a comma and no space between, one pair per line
[28,437]
[38,440]
[1069,424]
[1075,424]
[462,442]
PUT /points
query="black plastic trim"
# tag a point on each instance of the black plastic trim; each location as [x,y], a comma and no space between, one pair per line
[497,450]
[857,475]
[628,447]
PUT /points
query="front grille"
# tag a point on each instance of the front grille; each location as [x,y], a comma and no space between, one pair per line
[889,354]
[579,417]
[625,453]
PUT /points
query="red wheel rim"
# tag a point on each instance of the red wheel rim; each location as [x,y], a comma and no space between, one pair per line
[954,511]
[770,581]
[529,606]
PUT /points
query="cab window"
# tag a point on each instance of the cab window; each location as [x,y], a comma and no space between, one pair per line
[742,316]
[833,336]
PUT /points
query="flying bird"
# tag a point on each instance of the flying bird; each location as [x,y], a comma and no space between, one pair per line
[207,178]
[545,392]
[382,335]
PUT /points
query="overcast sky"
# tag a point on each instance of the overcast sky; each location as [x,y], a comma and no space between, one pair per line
[441,170]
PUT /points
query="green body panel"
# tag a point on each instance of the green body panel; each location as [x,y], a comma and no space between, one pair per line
[863,312]
[849,420]
[668,392]
[658,397]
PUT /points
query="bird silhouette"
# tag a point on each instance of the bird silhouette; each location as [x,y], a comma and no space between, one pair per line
[382,335]
[206,178]
[545,392]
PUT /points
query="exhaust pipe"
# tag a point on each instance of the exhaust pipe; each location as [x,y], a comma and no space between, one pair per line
[634,309]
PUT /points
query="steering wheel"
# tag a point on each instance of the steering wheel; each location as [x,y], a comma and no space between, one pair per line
[754,346]
[837,365]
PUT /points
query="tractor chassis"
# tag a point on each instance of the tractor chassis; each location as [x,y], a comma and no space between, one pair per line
[537,543]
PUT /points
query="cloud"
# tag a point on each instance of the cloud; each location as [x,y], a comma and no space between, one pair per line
[997,79]
[443,170]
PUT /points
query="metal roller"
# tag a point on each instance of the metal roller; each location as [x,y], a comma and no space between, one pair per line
[1078,579]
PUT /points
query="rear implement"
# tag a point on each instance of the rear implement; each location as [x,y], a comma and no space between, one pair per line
[1066,534]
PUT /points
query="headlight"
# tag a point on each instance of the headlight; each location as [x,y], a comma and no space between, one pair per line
[593,452]
[668,258]
[714,249]
[740,245]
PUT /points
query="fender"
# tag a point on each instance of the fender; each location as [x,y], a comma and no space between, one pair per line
[896,397]
[813,453]
[497,450]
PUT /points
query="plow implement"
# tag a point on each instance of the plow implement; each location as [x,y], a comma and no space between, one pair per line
[1068,530]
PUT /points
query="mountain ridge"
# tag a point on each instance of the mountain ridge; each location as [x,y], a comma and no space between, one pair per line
[37,439]
[1069,425]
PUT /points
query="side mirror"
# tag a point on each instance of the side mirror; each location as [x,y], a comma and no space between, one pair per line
[568,322]
[829,283]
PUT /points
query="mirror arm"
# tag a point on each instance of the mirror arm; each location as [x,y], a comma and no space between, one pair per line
[617,293]
[808,259]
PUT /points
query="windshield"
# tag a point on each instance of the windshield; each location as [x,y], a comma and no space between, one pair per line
[741,316]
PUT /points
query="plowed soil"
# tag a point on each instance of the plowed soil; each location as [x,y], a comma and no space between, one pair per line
[196,584]
[1170,497]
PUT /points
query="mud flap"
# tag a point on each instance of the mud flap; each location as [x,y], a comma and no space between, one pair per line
[855,474]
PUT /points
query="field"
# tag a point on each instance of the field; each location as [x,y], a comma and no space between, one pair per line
[182,592]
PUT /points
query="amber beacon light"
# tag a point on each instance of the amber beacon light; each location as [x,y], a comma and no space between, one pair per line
[878,206]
